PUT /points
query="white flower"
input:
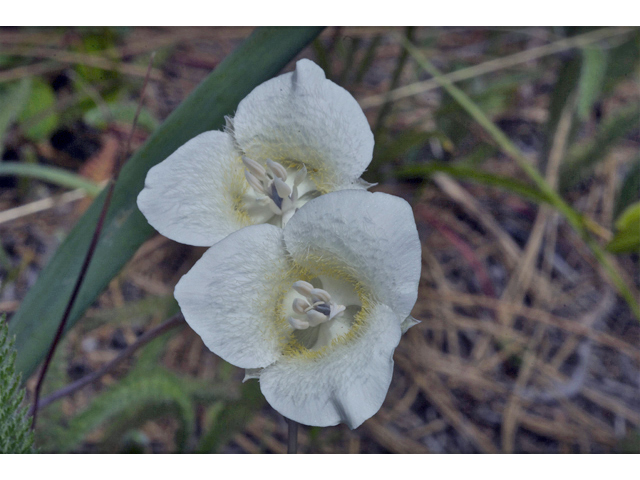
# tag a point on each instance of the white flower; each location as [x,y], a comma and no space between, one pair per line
[293,138]
[316,309]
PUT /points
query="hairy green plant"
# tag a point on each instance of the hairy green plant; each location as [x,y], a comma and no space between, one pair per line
[15,432]
[129,404]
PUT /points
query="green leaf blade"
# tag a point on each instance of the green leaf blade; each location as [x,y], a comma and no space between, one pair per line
[259,58]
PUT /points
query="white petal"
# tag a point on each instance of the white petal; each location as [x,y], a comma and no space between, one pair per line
[341,291]
[229,296]
[189,196]
[303,117]
[348,384]
[251,373]
[373,234]
[409,322]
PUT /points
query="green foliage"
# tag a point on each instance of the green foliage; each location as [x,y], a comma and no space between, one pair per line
[13,99]
[15,429]
[259,58]
[575,219]
[627,237]
[224,420]
[130,313]
[473,174]
[594,67]
[121,112]
[39,115]
[129,404]
[622,62]
[55,175]
[582,158]
[564,90]
[100,40]
[147,392]
[630,443]
[630,190]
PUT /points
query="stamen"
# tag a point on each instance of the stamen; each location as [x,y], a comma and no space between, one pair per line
[255,168]
[315,318]
[269,183]
[254,182]
[300,306]
[278,170]
[298,324]
[303,288]
[317,294]
[283,189]
[300,176]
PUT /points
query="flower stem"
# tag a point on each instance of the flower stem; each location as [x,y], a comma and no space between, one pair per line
[292,446]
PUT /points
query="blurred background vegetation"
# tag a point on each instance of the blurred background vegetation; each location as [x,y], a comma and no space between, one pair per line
[518,149]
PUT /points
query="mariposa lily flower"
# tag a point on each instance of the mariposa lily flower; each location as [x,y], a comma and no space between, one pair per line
[314,310]
[293,138]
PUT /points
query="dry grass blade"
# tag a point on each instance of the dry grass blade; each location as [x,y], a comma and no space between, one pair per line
[63,56]
[441,397]
[41,205]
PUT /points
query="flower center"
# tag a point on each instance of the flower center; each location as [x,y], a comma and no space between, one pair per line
[317,318]
[276,192]
[316,308]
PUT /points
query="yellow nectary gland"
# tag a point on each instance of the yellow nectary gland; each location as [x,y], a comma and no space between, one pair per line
[236,188]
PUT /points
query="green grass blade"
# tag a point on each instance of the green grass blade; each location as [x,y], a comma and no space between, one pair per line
[582,159]
[58,176]
[12,102]
[505,144]
[594,67]
[630,190]
[259,58]
[465,172]
[627,237]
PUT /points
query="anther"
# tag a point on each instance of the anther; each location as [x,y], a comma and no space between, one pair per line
[278,170]
[303,288]
[317,294]
[300,306]
[283,189]
[254,167]
[298,324]
[315,318]
[254,182]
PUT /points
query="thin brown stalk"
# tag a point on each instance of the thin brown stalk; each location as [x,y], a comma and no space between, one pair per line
[145,338]
[292,441]
[88,256]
